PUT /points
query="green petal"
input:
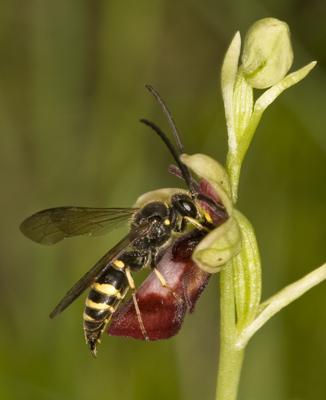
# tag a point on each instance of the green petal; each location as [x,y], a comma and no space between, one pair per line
[247,274]
[229,72]
[243,102]
[218,247]
[209,169]
[158,195]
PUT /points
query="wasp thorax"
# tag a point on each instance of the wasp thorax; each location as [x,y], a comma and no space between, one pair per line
[158,214]
[154,213]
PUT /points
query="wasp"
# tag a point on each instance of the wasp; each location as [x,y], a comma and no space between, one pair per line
[152,228]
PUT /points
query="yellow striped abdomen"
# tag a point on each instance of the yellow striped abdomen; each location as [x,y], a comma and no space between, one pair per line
[103,299]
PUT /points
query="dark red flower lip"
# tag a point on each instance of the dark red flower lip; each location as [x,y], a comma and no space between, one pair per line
[163,310]
[162,313]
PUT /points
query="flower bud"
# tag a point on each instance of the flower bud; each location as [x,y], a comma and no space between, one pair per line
[267,54]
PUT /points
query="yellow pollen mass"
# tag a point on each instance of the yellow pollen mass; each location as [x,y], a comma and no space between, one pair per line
[208,217]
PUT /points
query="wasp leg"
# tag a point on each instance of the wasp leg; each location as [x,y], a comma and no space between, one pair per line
[163,283]
[133,292]
[196,224]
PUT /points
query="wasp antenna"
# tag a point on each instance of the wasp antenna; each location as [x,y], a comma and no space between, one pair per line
[182,166]
[169,118]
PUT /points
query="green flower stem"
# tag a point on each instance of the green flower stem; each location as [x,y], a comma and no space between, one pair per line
[279,301]
[231,357]
[266,59]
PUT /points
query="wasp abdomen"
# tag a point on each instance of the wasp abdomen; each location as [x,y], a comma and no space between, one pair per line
[103,299]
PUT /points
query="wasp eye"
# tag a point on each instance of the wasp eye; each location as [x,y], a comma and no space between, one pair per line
[189,208]
[184,205]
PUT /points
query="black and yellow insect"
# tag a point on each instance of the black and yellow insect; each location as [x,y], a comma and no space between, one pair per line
[151,229]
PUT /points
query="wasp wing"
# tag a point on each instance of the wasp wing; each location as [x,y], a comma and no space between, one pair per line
[100,267]
[55,224]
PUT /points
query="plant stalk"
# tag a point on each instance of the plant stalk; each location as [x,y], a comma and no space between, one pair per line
[231,357]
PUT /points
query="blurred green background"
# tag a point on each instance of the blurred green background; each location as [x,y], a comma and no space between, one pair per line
[72,76]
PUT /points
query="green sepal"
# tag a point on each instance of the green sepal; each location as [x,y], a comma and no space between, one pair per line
[213,172]
[224,242]
[247,274]
[218,247]
[243,102]
[158,195]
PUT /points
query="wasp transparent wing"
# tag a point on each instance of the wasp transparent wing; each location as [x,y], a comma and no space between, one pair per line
[100,267]
[55,224]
